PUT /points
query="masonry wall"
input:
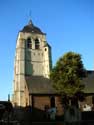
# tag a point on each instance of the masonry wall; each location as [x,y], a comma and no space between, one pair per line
[39,102]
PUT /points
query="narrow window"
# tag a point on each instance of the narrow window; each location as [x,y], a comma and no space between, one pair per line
[29,43]
[52,101]
[93,99]
[37,44]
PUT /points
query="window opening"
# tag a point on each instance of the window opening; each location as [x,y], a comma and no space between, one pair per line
[37,44]
[29,43]
[52,100]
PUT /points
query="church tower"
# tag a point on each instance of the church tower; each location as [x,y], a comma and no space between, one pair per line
[32,58]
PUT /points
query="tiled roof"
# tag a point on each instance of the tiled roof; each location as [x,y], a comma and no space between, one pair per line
[89,82]
[39,84]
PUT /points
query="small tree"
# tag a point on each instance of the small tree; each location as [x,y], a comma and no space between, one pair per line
[67,75]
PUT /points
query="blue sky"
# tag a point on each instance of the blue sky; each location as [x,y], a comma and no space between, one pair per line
[69,25]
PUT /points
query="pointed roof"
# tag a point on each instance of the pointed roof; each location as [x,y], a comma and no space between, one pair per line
[31,28]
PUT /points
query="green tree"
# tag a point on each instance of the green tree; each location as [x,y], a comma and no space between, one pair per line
[67,74]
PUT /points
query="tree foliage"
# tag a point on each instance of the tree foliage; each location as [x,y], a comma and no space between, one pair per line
[68,73]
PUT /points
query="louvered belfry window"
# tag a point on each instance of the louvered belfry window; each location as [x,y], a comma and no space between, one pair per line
[29,43]
[37,46]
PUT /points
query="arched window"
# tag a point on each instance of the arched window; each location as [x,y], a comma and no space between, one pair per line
[29,43]
[37,46]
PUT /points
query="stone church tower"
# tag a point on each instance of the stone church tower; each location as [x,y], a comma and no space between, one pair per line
[32,59]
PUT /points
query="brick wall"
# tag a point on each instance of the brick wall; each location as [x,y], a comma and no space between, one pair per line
[40,101]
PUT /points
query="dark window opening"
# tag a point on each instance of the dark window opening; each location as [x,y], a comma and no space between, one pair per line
[37,44]
[45,49]
[29,43]
[93,99]
[52,100]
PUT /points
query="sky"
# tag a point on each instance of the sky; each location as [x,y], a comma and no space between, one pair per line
[69,25]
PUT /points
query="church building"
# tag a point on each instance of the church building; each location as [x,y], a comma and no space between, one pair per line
[32,66]
[33,63]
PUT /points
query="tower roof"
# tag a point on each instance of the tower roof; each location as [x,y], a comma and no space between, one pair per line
[30,28]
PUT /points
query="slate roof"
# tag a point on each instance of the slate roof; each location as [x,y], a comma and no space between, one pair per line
[30,28]
[42,85]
